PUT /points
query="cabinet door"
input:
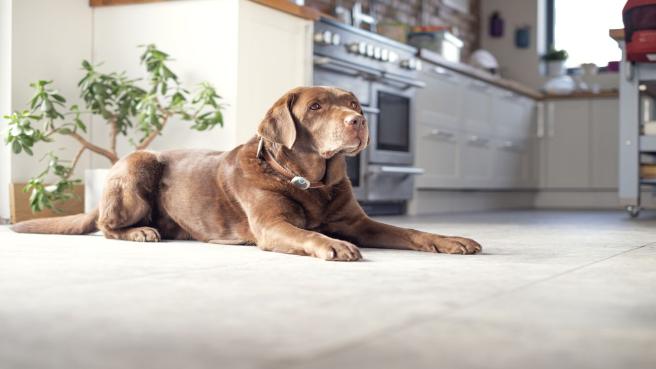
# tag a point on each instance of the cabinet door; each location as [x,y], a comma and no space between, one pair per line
[567,144]
[507,114]
[476,107]
[438,154]
[439,103]
[512,164]
[477,160]
[605,140]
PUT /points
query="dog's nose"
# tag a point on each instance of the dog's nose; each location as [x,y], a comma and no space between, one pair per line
[356,121]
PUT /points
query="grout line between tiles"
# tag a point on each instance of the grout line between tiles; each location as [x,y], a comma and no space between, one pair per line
[289,363]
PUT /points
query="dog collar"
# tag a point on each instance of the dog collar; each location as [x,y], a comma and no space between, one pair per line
[297,181]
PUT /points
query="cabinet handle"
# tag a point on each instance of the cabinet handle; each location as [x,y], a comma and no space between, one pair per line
[439,133]
[478,140]
[552,119]
[540,116]
[442,72]
[480,85]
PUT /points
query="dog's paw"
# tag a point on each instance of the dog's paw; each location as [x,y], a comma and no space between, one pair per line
[143,234]
[336,250]
[447,245]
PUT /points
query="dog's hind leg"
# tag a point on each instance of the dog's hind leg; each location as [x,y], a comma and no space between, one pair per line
[126,205]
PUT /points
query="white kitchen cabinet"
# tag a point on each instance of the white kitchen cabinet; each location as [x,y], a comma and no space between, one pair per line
[605,143]
[472,135]
[478,159]
[580,144]
[567,143]
[438,153]
[475,116]
[512,164]
[440,102]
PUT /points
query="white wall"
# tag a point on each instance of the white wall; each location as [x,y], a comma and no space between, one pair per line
[5,102]
[49,40]
[199,35]
[523,65]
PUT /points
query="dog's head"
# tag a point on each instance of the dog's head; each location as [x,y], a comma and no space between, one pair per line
[325,120]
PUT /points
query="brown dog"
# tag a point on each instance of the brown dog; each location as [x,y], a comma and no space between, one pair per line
[250,195]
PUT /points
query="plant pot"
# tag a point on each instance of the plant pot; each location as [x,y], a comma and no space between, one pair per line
[556,68]
[19,204]
[94,183]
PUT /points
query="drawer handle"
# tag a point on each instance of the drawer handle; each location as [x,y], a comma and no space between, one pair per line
[478,140]
[509,145]
[439,133]
[442,72]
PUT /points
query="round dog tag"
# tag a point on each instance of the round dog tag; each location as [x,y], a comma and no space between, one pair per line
[300,182]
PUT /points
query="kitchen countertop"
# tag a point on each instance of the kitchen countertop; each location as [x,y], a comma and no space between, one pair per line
[511,85]
[616,34]
[470,71]
[285,6]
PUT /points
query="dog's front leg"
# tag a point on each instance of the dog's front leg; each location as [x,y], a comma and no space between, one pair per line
[277,226]
[369,233]
[282,236]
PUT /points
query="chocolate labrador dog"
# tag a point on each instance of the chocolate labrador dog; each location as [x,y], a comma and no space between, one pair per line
[285,190]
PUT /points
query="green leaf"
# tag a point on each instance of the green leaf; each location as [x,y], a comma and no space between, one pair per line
[16,147]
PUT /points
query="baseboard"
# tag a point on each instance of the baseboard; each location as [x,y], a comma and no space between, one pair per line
[451,201]
[586,199]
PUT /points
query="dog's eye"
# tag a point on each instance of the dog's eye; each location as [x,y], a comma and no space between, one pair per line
[355,105]
[315,106]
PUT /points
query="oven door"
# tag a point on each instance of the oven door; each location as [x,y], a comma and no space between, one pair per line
[391,127]
[357,166]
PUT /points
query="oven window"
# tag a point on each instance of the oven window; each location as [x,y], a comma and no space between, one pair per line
[393,122]
[353,169]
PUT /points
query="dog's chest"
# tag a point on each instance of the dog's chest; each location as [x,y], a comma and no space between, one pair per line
[315,203]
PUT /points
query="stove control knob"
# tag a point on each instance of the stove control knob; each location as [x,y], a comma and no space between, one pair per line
[353,47]
[418,65]
[370,51]
[393,57]
[362,48]
[384,55]
[336,40]
[378,53]
[325,37]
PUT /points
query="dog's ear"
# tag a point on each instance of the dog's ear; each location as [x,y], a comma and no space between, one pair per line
[278,124]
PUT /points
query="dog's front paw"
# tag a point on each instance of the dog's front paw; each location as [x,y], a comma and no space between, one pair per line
[447,245]
[143,234]
[337,250]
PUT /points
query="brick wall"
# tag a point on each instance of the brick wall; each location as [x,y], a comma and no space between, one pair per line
[417,12]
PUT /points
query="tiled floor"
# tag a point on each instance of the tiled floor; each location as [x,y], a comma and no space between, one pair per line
[552,290]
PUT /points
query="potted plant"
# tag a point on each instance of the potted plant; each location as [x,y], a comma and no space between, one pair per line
[555,60]
[128,106]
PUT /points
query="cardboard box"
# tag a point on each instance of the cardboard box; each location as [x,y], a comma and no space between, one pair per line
[19,203]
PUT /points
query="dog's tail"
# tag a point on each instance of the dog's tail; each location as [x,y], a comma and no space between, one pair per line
[71,224]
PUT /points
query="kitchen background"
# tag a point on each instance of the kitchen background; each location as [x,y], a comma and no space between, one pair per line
[475,140]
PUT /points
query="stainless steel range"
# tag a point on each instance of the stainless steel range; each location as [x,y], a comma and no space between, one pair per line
[382,74]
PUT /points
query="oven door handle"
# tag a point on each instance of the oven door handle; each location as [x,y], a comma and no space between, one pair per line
[327,62]
[394,169]
[370,110]
[408,81]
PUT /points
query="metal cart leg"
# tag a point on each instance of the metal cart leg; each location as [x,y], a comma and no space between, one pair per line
[629,170]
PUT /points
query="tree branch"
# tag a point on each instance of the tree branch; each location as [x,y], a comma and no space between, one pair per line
[151,137]
[112,135]
[97,149]
[75,160]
